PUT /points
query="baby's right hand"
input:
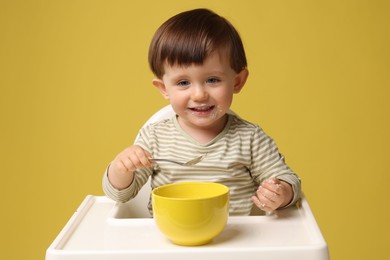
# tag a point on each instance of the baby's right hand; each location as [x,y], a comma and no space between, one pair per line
[121,171]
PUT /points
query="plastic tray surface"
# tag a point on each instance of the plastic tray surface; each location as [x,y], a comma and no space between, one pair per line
[102,229]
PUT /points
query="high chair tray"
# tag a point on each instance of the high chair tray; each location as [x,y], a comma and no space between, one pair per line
[102,229]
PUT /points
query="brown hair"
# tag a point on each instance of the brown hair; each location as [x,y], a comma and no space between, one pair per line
[189,38]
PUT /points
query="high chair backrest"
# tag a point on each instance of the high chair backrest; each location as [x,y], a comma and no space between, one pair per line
[163,113]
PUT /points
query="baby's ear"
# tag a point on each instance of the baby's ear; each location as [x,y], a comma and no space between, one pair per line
[240,80]
[159,84]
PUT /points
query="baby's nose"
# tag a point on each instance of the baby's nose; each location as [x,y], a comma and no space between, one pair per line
[199,93]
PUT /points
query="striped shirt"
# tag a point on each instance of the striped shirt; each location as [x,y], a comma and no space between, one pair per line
[241,157]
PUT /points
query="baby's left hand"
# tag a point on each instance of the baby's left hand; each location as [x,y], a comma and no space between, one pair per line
[273,194]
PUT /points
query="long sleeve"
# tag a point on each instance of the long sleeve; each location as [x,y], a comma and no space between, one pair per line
[267,162]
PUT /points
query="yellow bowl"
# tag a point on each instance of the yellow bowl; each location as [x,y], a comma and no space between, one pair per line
[191,213]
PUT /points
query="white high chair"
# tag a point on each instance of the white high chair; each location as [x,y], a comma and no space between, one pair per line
[101,229]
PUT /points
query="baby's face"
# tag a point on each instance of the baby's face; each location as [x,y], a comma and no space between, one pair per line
[201,94]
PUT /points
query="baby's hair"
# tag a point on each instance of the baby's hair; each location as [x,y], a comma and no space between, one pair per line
[190,37]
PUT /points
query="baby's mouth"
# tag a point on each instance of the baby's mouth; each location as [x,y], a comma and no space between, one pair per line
[202,108]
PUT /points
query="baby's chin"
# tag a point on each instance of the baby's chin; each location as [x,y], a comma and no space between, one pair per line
[211,120]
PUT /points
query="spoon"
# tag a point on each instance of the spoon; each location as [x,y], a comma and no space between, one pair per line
[189,163]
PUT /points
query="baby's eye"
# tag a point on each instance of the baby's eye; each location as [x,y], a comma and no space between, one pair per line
[183,83]
[213,80]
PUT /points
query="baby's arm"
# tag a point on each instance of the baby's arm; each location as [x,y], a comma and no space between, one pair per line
[273,194]
[121,170]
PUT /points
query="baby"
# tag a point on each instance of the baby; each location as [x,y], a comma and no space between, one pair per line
[199,63]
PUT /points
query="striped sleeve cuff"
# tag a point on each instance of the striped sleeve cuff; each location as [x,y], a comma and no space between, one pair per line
[295,183]
[123,195]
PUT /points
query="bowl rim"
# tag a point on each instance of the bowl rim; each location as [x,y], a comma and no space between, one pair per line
[227,190]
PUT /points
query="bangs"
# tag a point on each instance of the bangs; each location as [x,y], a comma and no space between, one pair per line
[192,46]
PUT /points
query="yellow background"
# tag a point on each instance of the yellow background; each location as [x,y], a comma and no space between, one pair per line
[76,87]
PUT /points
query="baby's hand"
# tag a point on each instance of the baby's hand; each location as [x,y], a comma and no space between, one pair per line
[273,194]
[123,166]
